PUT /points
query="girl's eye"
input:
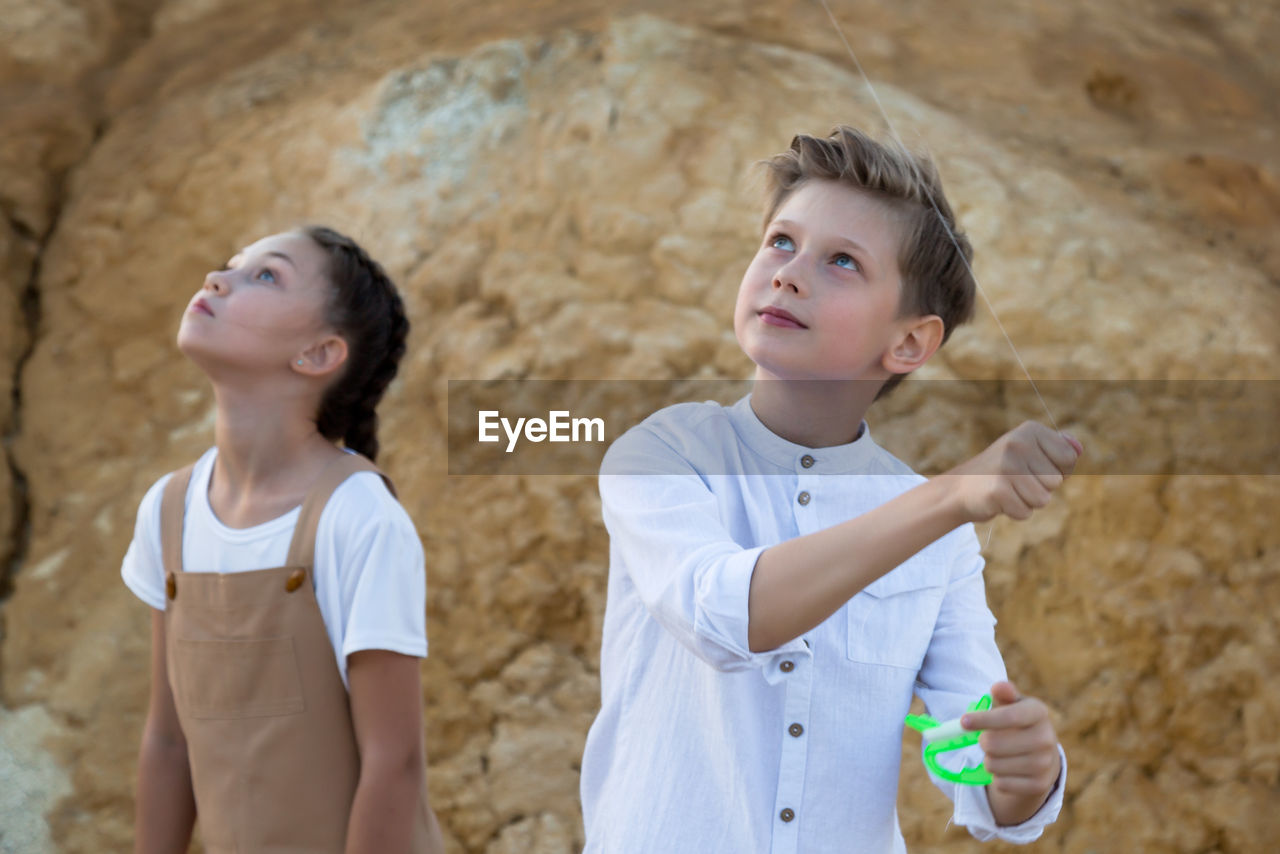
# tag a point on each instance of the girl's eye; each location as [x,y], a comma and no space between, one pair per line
[266,275]
[846,261]
[781,241]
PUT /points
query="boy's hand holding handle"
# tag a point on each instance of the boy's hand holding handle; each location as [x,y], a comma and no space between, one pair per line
[1021,750]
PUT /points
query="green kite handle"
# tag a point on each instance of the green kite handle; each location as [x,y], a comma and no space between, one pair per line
[967,776]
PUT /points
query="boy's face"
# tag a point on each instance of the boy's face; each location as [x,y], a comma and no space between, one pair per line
[820,299]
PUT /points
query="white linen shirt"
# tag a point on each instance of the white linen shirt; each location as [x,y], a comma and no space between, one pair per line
[703,746]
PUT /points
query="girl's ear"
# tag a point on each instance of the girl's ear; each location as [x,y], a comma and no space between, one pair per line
[918,339]
[322,358]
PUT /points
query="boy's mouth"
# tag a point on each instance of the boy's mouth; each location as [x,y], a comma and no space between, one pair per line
[201,307]
[775,316]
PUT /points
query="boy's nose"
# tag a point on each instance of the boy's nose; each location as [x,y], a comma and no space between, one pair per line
[787,279]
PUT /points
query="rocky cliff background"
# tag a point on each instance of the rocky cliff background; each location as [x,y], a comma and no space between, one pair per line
[564,190]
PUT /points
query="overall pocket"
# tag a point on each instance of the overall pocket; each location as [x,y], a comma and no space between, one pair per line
[237,678]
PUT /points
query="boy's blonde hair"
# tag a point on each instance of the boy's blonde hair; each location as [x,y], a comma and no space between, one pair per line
[934,268]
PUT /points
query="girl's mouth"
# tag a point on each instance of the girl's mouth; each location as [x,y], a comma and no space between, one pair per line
[201,307]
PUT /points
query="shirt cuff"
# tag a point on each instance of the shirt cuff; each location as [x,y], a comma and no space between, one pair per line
[411,646]
[722,617]
[973,810]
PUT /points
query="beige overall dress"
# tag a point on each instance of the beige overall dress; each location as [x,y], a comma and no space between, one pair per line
[274,758]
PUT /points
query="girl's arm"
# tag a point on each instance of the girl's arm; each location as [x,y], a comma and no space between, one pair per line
[166,806]
[386,711]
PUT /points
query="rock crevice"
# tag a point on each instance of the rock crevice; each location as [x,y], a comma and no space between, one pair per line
[19,523]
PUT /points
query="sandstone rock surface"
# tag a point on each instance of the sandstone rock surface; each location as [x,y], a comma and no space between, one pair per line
[563,190]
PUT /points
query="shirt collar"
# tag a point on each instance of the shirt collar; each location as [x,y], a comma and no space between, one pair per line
[855,457]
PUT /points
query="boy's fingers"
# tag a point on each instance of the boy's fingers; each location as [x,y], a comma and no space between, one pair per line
[1010,711]
[1046,471]
[1014,742]
[1031,491]
[1005,693]
[1005,717]
[1014,507]
[1039,764]
[1062,450]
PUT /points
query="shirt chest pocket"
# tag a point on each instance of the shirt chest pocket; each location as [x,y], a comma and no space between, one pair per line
[891,620]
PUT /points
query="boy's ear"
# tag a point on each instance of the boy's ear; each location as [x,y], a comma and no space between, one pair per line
[322,358]
[918,339]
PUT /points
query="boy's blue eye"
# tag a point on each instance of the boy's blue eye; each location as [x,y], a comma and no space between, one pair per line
[781,241]
[846,261]
[266,275]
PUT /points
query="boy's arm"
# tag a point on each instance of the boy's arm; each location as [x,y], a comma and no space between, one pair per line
[165,811]
[670,542]
[799,583]
[1019,748]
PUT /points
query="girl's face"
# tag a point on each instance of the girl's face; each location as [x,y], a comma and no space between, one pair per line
[262,311]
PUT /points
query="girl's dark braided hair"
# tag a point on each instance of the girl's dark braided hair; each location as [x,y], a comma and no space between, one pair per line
[365,309]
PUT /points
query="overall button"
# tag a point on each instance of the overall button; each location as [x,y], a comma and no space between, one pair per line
[295,580]
[806,461]
[803,498]
[787,814]
[787,666]
[796,730]
[171,585]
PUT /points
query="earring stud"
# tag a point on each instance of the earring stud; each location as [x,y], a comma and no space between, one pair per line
[299,361]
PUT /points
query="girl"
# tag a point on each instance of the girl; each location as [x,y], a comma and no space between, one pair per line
[286,581]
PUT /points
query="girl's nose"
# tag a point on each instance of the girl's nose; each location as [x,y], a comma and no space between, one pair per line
[216,281]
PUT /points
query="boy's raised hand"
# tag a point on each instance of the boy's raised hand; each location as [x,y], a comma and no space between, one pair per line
[1021,753]
[1016,475]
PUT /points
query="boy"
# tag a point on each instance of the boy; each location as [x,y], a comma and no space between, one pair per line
[763,636]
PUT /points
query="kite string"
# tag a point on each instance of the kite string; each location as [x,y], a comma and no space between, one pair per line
[933,203]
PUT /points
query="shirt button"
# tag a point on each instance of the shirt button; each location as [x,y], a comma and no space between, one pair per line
[806,461]
[803,498]
[787,814]
[787,666]
[796,730]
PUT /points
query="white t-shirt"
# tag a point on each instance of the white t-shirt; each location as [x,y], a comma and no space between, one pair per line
[369,569]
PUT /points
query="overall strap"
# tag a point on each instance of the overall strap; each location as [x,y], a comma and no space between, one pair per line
[173,507]
[303,546]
